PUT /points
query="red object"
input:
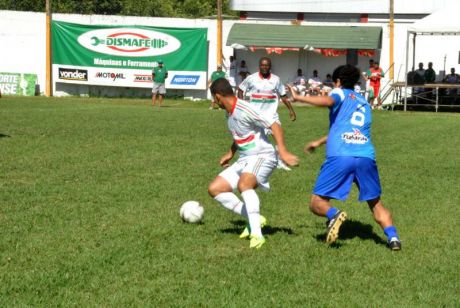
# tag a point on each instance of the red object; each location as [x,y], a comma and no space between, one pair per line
[364,18]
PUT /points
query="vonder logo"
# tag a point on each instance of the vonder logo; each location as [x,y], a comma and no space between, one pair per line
[73,74]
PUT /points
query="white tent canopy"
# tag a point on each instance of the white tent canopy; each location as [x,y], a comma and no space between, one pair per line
[442,22]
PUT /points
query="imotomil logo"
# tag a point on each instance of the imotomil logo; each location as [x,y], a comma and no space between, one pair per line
[189,80]
[129,42]
[113,76]
[72,74]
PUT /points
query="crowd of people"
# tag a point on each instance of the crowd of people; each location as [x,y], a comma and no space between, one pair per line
[315,86]
[350,155]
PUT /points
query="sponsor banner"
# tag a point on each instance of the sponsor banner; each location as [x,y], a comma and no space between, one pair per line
[128,50]
[17,84]
[127,77]
[186,80]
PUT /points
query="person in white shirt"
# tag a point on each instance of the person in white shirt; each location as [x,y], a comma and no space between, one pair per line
[242,73]
[257,159]
[315,84]
[299,77]
[264,90]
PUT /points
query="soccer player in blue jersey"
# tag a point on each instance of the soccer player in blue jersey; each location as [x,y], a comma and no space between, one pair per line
[350,156]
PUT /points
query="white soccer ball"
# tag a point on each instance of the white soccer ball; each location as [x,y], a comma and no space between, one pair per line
[192,212]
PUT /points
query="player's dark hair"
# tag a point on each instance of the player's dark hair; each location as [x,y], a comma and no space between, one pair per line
[266,59]
[221,86]
[348,75]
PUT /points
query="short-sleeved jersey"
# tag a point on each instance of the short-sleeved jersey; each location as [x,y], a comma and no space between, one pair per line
[264,93]
[217,75]
[375,75]
[350,125]
[160,74]
[248,129]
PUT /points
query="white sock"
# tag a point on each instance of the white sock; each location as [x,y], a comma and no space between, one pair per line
[231,202]
[252,202]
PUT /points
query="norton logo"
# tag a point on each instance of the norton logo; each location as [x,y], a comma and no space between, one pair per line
[113,76]
[73,74]
[130,42]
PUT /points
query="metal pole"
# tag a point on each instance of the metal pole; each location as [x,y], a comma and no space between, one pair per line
[219,32]
[407,66]
[49,75]
[392,34]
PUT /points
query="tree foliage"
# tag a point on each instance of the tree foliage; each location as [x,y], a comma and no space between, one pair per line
[154,8]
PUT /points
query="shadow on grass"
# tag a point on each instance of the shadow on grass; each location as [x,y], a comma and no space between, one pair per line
[4,136]
[351,229]
[238,226]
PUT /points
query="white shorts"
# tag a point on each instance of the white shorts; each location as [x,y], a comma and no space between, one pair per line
[158,88]
[262,166]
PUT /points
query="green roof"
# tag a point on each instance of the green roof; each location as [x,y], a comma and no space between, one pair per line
[336,37]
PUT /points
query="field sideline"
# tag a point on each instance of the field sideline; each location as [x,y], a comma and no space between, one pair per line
[90,191]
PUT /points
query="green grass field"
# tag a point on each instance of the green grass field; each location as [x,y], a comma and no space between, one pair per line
[90,191]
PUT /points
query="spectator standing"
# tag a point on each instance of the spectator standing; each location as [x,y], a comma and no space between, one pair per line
[159,75]
[452,78]
[375,74]
[430,77]
[430,74]
[242,73]
[218,73]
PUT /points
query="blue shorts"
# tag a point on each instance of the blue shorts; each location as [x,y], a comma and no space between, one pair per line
[338,174]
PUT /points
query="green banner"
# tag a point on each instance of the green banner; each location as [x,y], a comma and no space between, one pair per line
[18,84]
[129,47]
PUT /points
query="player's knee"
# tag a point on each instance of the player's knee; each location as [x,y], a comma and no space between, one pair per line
[213,189]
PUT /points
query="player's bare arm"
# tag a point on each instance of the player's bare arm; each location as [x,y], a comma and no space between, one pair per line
[288,104]
[278,134]
[322,101]
[312,145]
[227,157]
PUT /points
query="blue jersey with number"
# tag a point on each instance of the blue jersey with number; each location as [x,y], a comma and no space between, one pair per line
[350,125]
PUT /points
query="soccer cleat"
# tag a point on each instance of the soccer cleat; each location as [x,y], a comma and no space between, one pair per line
[282,165]
[256,242]
[394,244]
[333,226]
[247,231]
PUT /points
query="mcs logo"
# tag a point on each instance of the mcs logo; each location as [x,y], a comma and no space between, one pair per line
[189,80]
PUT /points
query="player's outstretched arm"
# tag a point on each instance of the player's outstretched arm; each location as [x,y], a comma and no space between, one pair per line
[311,146]
[227,157]
[288,104]
[289,158]
[322,101]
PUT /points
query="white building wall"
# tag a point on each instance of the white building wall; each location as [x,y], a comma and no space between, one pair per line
[23,49]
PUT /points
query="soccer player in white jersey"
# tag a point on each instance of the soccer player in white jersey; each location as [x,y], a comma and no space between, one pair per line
[256,162]
[264,90]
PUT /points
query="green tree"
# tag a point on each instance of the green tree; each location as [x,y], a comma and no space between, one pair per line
[154,8]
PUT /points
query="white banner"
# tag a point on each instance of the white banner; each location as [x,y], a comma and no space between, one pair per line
[118,77]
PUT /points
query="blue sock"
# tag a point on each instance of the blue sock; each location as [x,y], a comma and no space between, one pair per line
[331,212]
[390,232]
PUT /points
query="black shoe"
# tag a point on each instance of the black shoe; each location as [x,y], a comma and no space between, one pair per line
[333,226]
[394,244]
